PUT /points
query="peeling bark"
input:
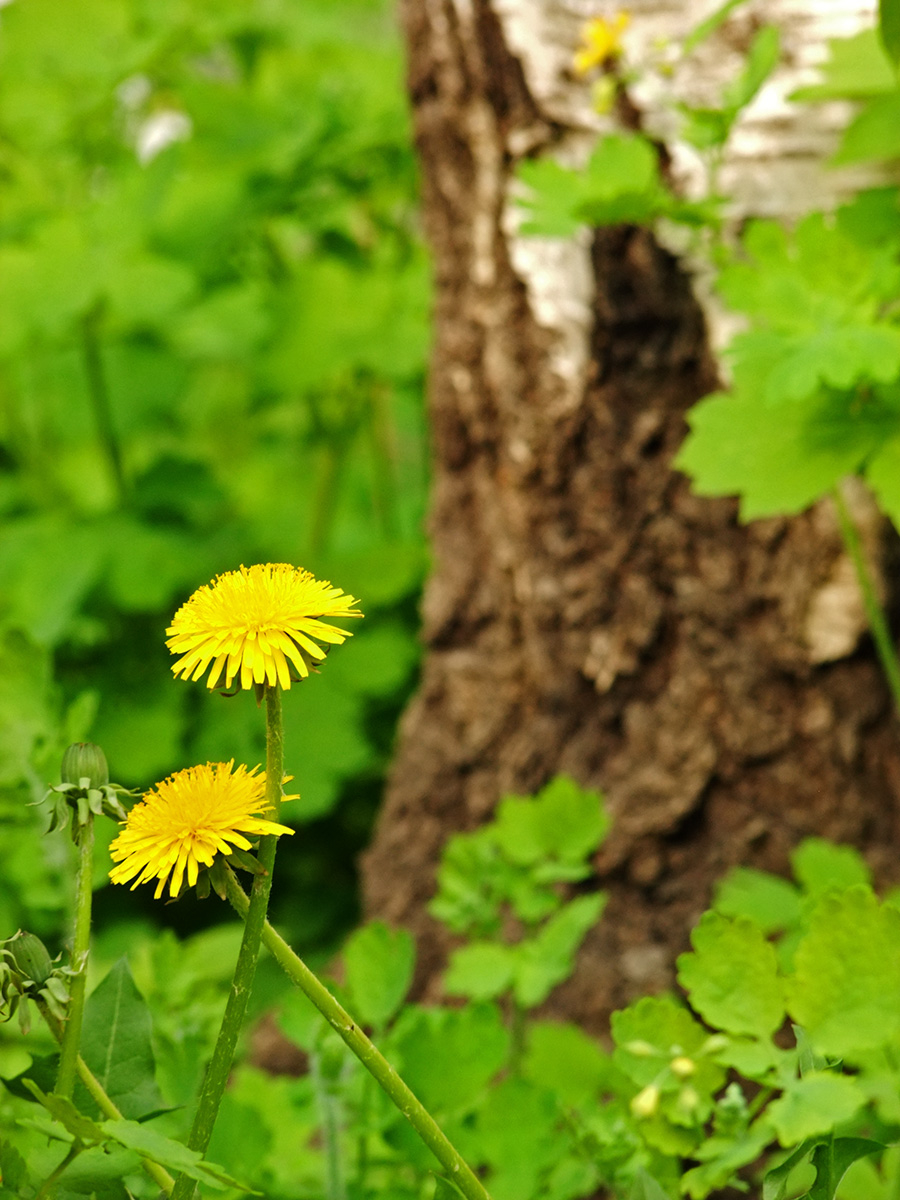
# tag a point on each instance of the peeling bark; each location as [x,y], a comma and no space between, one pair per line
[586,612]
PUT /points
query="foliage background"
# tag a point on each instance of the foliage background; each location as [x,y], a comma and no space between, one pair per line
[213,306]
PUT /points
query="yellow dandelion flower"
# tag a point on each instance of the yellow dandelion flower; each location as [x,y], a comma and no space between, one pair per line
[258,624]
[601,41]
[185,821]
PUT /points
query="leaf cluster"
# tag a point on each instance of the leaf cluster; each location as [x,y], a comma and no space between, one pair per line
[814,393]
[213,302]
[507,876]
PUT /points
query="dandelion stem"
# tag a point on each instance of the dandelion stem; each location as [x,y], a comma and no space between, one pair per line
[878,625]
[219,1068]
[84,891]
[375,1063]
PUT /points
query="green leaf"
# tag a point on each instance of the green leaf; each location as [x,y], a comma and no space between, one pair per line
[776,1181]
[13,1170]
[832,1159]
[652,1032]
[773,903]
[776,466]
[480,970]
[547,959]
[379,965]
[761,60]
[856,68]
[116,1043]
[563,1059]
[448,1056]
[732,976]
[721,1157]
[847,973]
[889,28]
[814,1105]
[873,134]
[819,865]
[65,1112]
[562,821]
[883,476]
[149,1143]
[645,1187]
[517,1134]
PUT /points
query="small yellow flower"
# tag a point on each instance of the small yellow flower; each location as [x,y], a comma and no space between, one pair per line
[185,821]
[601,41]
[646,1102]
[258,624]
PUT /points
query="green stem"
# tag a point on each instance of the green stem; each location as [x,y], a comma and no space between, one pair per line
[46,1188]
[84,891]
[329,1109]
[219,1069]
[99,395]
[95,1090]
[374,1062]
[878,625]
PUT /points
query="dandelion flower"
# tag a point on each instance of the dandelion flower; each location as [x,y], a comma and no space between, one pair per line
[257,624]
[185,821]
[601,41]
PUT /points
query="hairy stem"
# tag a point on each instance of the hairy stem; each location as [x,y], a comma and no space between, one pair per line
[219,1068]
[375,1063]
[878,625]
[84,891]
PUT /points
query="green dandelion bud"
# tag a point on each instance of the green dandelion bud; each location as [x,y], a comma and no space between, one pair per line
[29,957]
[84,765]
[84,790]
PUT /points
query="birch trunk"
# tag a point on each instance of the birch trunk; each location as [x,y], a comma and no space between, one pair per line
[587,613]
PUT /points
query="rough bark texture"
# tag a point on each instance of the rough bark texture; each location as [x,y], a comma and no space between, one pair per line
[587,613]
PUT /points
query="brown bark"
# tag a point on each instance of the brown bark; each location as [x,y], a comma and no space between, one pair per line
[586,612]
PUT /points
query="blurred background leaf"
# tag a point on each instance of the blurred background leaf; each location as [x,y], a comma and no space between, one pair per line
[213,327]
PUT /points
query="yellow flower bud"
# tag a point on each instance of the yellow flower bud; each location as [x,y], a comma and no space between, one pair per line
[646,1102]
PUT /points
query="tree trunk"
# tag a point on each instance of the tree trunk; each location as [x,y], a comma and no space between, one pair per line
[586,613]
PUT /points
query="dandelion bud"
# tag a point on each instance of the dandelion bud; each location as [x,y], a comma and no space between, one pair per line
[84,760]
[30,957]
[682,1066]
[646,1102]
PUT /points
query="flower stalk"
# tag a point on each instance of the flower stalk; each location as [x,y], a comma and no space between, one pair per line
[216,1078]
[371,1058]
[878,625]
[84,890]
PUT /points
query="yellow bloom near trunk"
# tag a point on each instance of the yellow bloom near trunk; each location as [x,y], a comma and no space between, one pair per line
[185,821]
[257,625]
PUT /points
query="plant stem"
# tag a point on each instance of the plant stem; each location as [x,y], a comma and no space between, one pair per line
[329,1108]
[374,1062]
[46,1188]
[219,1068]
[95,1089]
[84,891]
[878,625]
[99,394]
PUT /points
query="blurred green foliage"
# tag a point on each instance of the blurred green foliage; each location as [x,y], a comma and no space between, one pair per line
[212,334]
